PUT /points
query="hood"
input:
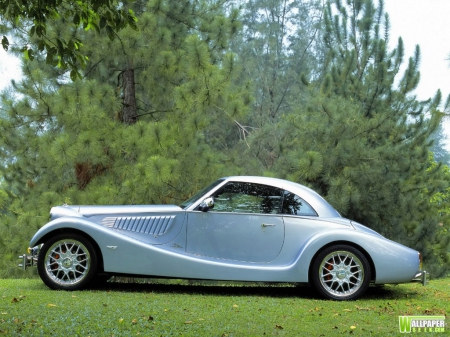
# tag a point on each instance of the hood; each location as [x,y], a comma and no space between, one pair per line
[88,211]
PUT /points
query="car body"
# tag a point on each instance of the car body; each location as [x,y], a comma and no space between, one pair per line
[239,228]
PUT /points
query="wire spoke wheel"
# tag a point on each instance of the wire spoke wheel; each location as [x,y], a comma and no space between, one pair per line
[67,262]
[341,273]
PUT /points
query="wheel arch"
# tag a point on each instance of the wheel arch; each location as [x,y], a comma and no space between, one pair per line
[348,243]
[94,244]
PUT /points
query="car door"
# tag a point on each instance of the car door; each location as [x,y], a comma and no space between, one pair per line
[245,224]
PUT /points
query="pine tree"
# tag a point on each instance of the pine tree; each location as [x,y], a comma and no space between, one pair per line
[364,140]
[278,48]
[78,143]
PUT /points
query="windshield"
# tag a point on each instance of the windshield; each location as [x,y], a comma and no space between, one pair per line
[196,196]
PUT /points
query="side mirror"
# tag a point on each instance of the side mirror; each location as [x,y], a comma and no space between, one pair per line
[206,204]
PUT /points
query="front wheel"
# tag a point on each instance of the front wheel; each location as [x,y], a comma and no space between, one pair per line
[341,272]
[67,262]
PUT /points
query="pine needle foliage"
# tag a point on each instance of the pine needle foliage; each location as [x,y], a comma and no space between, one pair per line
[359,136]
[307,90]
[70,142]
[363,141]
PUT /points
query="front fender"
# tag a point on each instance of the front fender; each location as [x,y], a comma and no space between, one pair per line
[75,223]
[104,238]
[393,262]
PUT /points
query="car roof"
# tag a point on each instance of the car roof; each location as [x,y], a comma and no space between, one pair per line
[320,205]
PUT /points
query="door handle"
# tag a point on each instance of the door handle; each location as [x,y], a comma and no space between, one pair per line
[267,225]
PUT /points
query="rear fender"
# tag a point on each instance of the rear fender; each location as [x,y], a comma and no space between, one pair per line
[393,262]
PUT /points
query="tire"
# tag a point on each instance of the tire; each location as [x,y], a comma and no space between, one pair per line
[340,272]
[67,262]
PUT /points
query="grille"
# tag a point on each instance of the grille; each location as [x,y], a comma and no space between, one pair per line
[153,225]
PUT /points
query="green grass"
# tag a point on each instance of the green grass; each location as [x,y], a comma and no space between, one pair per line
[29,308]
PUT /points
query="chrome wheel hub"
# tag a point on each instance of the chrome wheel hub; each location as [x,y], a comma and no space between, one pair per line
[341,274]
[67,263]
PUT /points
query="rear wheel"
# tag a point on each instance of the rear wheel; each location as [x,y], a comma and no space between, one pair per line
[67,262]
[341,272]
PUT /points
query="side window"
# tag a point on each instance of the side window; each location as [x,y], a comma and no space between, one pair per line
[248,198]
[293,204]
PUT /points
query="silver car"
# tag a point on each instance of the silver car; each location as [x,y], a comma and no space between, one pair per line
[238,228]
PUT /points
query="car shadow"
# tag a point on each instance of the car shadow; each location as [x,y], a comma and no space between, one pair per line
[276,290]
[216,289]
[390,292]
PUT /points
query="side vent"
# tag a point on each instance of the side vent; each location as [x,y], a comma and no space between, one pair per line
[109,222]
[153,225]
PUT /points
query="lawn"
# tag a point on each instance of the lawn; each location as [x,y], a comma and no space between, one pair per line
[29,308]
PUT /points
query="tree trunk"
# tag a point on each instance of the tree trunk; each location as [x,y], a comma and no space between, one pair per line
[129,113]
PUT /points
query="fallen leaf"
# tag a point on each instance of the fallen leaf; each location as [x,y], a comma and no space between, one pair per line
[279,327]
[235,306]
[353,327]
[188,322]
[14,300]
[348,310]
[360,308]
[121,320]
[51,305]
[134,321]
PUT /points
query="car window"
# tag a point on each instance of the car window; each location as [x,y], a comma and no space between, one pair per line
[294,205]
[242,197]
[199,194]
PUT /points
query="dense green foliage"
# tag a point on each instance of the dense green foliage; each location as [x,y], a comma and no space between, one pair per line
[203,89]
[29,308]
[35,17]
[81,147]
